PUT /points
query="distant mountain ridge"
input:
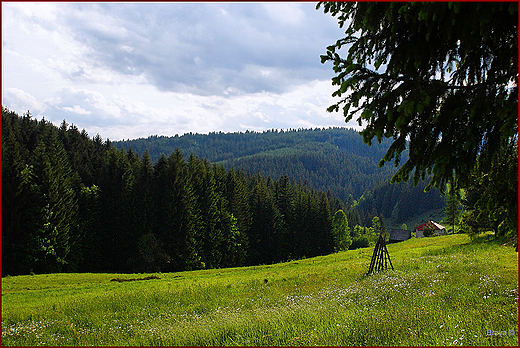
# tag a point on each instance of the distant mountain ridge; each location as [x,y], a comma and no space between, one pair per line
[334,159]
[219,146]
[328,159]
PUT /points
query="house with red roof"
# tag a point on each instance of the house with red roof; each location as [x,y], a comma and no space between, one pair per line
[438,229]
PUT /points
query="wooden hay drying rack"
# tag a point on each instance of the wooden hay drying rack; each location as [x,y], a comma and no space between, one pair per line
[380,257]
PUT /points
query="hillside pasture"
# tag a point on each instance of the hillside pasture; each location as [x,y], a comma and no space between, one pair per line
[444,291]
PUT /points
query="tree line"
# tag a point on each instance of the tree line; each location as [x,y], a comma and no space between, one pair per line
[75,204]
[332,159]
[398,202]
[220,146]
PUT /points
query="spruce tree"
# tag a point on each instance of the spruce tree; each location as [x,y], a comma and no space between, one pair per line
[342,240]
[179,230]
[264,235]
[57,229]
[452,211]
[21,203]
[212,237]
[284,199]
[237,198]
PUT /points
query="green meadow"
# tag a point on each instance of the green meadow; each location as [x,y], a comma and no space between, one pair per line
[444,291]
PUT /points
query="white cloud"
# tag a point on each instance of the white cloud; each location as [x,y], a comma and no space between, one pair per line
[142,110]
[128,70]
[285,13]
[76,109]
[40,10]
[21,101]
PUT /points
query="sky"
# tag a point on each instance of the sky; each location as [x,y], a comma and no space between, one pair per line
[131,70]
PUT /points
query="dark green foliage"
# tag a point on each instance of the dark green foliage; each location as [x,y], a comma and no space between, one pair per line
[398,201]
[452,211]
[71,203]
[334,159]
[443,75]
[342,240]
[499,201]
[41,223]
[21,195]
[237,198]
[59,214]
[265,234]
[441,80]
[363,237]
[150,255]
[362,241]
[490,201]
[429,231]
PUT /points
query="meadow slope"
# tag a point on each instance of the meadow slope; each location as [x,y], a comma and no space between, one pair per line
[443,291]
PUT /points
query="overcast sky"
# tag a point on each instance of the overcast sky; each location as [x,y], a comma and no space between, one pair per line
[129,70]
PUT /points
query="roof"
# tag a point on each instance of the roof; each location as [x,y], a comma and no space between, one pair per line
[400,234]
[436,225]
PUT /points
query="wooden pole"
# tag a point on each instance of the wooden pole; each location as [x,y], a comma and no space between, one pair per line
[389,260]
[380,257]
[381,252]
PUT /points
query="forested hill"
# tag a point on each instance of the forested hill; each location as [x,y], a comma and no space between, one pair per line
[218,146]
[75,204]
[334,159]
[71,203]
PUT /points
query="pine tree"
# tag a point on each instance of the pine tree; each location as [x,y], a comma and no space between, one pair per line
[342,240]
[115,229]
[324,238]
[142,196]
[452,211]
[237,198]
[179,229]
[265,229]
[58,226]
[88,217]
[304,224]
[13,179]
[21,202]
[210,234]
[284,200]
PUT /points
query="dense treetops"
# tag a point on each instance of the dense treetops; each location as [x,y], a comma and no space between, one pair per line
[442,77]
[441,80]
[334,159]
[71,203]
[219,146]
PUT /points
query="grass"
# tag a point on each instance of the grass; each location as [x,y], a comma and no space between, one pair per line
[445,291]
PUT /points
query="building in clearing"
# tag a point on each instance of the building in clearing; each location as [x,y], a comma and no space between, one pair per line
[439,229]
[399,235]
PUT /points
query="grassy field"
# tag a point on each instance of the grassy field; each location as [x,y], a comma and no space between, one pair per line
[444,291]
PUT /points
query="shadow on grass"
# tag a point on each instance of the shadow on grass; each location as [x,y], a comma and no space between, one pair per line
[480,243]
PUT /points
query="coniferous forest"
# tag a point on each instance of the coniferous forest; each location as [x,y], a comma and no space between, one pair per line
[76,204]
[333,160]
[72,203]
